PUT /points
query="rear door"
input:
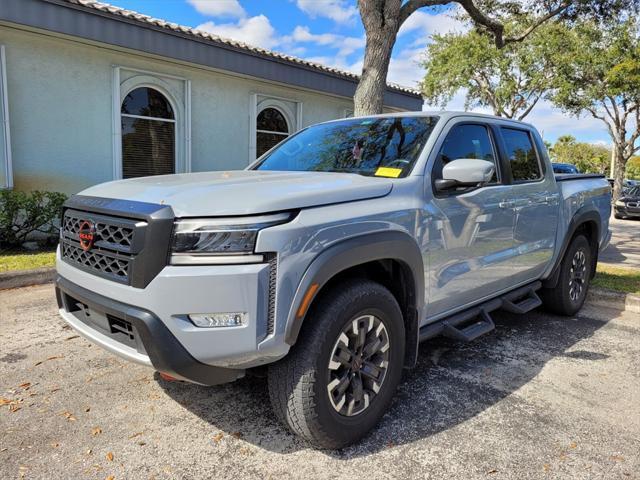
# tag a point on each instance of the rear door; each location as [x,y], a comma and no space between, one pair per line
[470,233]
[535,199]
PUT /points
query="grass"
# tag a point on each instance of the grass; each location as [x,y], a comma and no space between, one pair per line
[621,279]
[26,260]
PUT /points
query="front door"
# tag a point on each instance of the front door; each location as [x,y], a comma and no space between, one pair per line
[470,246]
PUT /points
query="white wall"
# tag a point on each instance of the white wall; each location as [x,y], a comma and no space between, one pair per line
[60,103]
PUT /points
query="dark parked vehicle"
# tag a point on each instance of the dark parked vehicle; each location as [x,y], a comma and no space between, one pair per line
[629,204]
[564,168]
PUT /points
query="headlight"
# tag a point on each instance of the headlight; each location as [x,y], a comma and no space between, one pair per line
[220,240]
[620,203]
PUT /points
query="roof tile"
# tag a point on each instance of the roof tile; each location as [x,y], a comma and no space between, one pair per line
[130,14]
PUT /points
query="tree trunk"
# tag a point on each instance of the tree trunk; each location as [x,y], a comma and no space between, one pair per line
[381,20]
[612,163]
[619,170]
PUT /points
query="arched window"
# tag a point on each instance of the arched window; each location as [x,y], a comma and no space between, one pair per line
[148,134]
[271,129]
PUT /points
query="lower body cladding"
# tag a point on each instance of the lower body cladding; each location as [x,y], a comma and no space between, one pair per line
[151,326]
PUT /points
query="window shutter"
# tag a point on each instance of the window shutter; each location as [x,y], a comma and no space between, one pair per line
[148,147]
[6,173]
[148,134]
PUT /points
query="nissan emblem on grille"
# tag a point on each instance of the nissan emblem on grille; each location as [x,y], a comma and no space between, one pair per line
[86,234]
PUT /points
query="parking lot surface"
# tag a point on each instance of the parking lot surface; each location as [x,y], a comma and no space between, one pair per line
[624,249]
[541,397]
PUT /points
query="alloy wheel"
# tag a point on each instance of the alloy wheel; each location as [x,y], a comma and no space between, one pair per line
[358,365]
[577,275]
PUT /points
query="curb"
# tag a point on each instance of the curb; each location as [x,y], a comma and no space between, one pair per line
[24,278]
[610,299]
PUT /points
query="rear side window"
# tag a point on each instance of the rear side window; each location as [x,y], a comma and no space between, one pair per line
[465,141]
[522,155]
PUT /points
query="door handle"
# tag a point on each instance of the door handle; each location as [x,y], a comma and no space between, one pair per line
[507,204]
[550,199]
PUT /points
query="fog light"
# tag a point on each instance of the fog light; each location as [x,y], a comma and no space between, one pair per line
[208,320]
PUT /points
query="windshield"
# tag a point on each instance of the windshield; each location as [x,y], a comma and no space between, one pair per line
[634,192]
[385,147]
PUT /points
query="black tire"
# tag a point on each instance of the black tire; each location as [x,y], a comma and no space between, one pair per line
[564,299]
[299,383]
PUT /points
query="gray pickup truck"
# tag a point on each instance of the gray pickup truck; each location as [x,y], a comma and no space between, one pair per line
[328,260]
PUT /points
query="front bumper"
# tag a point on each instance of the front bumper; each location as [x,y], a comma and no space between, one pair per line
[178,291]
[627,211]
[134,334]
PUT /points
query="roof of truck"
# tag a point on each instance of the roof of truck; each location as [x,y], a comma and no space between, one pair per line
[445,114]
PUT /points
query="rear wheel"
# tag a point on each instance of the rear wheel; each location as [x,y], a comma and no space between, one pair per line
[569,294]
[340,377]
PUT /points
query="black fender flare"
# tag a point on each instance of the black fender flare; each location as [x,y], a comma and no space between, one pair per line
[587,213]
[386,245]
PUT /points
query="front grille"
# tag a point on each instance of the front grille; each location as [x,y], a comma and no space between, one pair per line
[121,240]
[117,237]
[108,264]
[632,204]
[114,244]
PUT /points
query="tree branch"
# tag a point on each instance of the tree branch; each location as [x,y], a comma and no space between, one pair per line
[412,5]
[594,114]
[614,106]
[553,13]
[495,27]
[530,107]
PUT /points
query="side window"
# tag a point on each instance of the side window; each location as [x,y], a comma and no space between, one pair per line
[522,155]
[466,141]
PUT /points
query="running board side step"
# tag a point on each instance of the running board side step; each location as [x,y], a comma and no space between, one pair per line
[522,302]
[483,324]
[476,321]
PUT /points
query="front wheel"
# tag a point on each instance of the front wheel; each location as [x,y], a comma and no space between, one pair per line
[340,377]
[573,283]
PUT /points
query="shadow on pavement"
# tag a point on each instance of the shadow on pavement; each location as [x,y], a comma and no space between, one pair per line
[451,383]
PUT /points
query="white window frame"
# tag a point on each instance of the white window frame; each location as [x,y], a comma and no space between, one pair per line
[181,112]
[5,155]
[261,101]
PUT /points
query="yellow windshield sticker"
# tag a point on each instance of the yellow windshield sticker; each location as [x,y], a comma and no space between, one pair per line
[388,172]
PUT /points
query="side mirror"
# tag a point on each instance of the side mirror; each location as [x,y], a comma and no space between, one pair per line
[465,172]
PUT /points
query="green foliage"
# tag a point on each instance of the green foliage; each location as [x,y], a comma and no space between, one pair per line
[598,73]
[24,213]
[509,80]
[589,158]
[598,65]
[633,168]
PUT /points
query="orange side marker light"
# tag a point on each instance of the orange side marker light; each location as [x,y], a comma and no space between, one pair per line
[306,300]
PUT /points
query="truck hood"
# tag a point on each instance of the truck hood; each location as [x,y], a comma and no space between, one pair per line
[243,192]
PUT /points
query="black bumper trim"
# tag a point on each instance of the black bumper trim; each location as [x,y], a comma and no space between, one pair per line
[166,353]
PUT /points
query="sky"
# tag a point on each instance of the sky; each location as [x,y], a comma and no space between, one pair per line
[331,32]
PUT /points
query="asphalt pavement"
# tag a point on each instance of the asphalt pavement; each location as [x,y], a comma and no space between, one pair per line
[624,249]
[540,397]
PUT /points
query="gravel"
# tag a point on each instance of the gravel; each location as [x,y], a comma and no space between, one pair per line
[540,397]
